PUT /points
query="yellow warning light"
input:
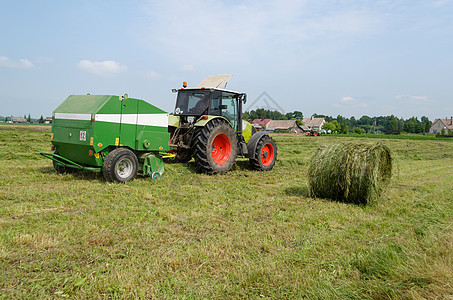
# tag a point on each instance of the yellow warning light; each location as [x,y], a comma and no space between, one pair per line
[184,84]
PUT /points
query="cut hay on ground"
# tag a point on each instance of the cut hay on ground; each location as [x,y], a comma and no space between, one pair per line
[354,173]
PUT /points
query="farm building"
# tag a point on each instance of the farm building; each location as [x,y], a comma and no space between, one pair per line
[314,123]
[440,124]
[48,120]
[289,125]
[260,123]
[18,120]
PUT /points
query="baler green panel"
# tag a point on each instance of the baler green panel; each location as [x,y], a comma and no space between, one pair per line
[78,153]
[152,141]
[71,123]
[111,106]
[82,104]
[105,134]
[128,122]
[152,128]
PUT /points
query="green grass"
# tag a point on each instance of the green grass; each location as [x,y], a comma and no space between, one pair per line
[245,234]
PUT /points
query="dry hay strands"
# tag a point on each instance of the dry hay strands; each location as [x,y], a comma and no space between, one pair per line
[354,173]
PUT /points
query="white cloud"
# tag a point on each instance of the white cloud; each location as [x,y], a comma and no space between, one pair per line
[410,99]
[152,75]
[347,100]
[350,102]
[188,68]
[20,64]
[102,68]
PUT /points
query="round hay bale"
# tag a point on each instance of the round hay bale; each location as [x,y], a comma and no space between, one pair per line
[354,173]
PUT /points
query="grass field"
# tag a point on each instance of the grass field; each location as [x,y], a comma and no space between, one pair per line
[245,234]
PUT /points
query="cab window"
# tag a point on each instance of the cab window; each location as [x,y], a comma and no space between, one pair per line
[229,108]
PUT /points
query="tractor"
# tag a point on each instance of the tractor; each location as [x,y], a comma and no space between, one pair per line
[207,125]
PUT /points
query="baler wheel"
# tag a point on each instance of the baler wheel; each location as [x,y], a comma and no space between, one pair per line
[265,154]
[120,165]
[58,168]
[215,147]
[62,169]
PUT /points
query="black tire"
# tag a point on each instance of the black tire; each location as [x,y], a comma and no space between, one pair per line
[265,154]
[57,167]
[120,165]
[215,147]
[182,156]
[62,169]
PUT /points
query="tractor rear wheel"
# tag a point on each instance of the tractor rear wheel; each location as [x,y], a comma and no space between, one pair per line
[120,165]
[265,154]
[215,147]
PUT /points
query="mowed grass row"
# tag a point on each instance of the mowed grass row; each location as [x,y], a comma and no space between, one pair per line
[245,234]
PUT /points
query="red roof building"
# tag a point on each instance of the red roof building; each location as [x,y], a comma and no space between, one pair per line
[440,124]
[260,123]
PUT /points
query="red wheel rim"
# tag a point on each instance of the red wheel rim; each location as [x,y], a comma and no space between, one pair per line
[221,149]
[267,154]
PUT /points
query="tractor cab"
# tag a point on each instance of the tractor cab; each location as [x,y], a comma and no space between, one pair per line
[193,103]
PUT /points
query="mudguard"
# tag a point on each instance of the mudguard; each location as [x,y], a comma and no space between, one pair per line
[251,145]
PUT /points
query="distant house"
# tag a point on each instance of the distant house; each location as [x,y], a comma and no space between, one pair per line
[440,124]
[314,123]
[286,125]
[260,123]
[18,120]
[48,120]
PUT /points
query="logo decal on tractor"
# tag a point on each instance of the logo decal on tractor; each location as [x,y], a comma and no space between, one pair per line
[83,135]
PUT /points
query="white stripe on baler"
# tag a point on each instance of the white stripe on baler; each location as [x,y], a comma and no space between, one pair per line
[160,120]
[68,116]
[112,118]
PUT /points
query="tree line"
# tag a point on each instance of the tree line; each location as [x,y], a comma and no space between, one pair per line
[385,124]
[262,113]
[365,124]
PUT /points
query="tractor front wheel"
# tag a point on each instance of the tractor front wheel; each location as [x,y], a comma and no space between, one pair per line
[120,165]
[265,154]
[215,147]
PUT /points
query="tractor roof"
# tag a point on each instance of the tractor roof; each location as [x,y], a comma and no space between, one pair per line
[209,88]
[215,81]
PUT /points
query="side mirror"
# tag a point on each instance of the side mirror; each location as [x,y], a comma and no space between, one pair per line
[244,98]
[174,90]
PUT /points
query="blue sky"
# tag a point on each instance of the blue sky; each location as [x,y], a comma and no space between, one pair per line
[344,57]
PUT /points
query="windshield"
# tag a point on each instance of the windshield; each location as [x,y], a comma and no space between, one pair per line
[192,102]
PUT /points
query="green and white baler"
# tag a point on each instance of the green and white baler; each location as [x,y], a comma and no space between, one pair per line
[116,135]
